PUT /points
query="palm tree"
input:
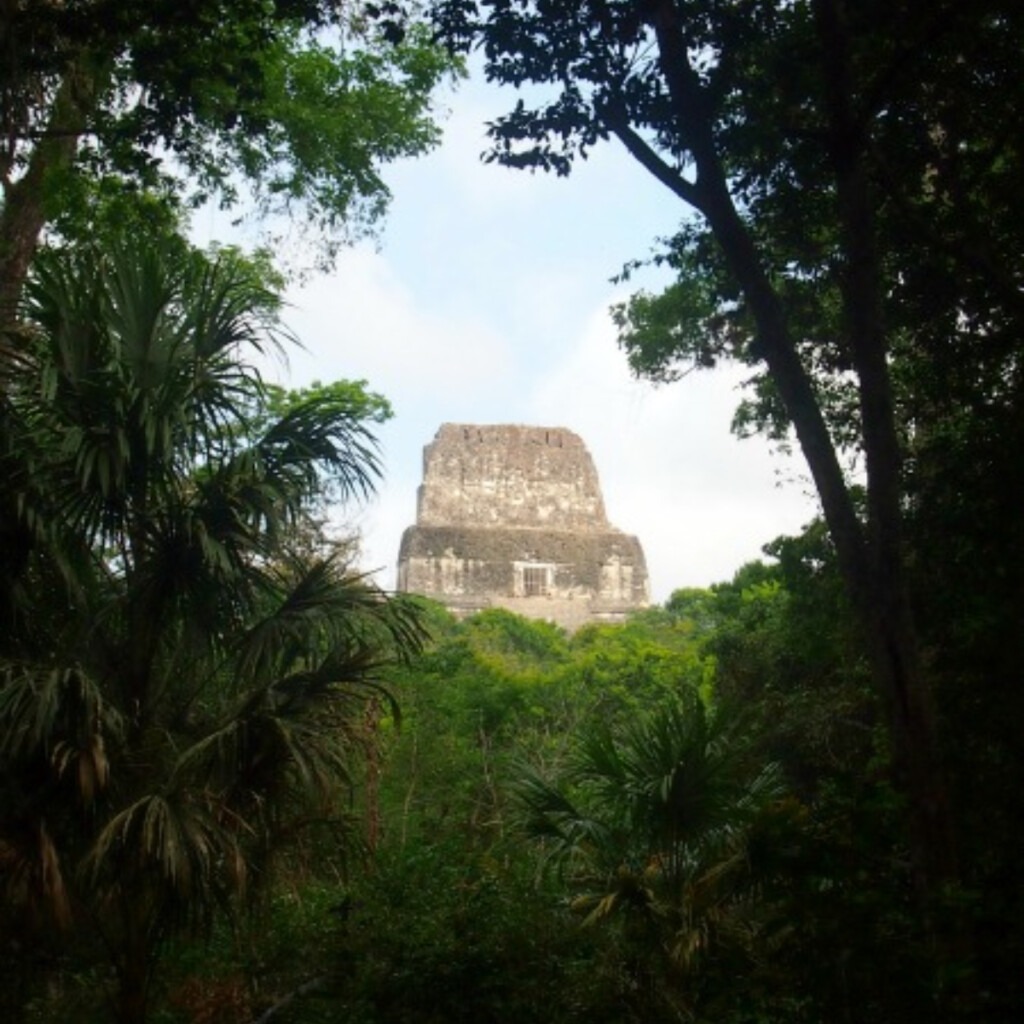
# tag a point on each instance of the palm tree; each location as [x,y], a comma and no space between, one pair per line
[181,688]
[655,824]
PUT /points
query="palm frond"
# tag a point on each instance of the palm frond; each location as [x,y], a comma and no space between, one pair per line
[32,874]
[322,606]
[229,308]
[570,836]
[171,840]
[62,714]
[180,693]
[652,819]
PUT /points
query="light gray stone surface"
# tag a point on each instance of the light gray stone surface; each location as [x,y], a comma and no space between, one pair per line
[512,516]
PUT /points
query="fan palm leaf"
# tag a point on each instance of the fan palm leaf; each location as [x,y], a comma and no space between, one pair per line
[180,692]
[32,875]
[651,822]
[62,713]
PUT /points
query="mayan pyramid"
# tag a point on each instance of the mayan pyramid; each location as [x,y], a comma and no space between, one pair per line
[512,517]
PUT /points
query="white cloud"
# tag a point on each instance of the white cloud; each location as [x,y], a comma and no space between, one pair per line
[489,305]
[362,321]
[701,501]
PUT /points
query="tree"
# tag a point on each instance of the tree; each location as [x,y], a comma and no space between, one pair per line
[181,692]
[786,649]
[140,110]
[654,822]
[830,153]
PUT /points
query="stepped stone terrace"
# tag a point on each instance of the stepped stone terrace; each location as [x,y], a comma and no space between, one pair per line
[513,517]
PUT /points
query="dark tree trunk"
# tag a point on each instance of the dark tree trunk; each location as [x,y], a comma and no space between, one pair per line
[891,625]
[21,223]
[871,561]
[131,998]
[25,207]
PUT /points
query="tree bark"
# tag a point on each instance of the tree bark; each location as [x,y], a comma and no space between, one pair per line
[891,629]
[132,986]
[871,561]
[24,213]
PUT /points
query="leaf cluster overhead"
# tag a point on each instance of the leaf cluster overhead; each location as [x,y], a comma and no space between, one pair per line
[294,104]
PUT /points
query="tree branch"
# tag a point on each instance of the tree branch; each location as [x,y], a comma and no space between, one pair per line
[645,155]
[297,993]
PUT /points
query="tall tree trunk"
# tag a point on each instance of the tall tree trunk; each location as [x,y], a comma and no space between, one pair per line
[891,630]
[25,206]
[893,635]
[131,997]
[871,562]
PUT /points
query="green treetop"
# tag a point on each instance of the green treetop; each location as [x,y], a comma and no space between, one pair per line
[151,107]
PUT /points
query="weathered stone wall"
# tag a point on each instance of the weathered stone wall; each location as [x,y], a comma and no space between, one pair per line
[509,476]
[512,516]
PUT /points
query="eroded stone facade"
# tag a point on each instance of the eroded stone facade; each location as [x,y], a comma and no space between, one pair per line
[512,516]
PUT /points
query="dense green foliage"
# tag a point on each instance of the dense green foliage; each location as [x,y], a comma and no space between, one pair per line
[180,687]
[795,897]
[132,113]
[849,174]
[234,788]
[686,817]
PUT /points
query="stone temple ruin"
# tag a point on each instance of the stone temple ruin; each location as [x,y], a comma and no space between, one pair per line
[512,517]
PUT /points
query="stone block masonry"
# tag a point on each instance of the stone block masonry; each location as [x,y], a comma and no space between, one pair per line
[513,517]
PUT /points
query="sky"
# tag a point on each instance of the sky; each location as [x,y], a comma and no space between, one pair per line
[485,300]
